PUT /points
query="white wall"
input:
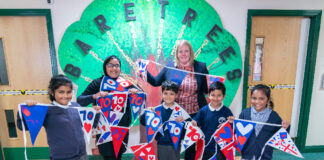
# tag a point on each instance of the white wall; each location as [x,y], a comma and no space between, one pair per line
[234,17]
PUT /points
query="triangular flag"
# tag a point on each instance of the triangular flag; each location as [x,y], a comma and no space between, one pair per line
[105,104]
[144,151]
[225,133]
[179,111]
[200,149]
[224,137]
[211,79]
[175,129]
[118,102]
[152,122]
[136,100]
[177,76]
[87,115]
[142,68]
[105,130]
[113,107]
[214,157]
[118,134]
[123,82]
[34,117]
[228,151]
[282,141]
[243,131]
[192,135]
[108,84]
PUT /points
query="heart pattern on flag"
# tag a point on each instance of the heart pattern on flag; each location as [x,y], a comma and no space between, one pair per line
[227,133]
[150,131]
[174,139]
[151,157]
[87,127]
[177,108]
[120,88]
[244,130]
[106,114]
[241,140]
[136,109]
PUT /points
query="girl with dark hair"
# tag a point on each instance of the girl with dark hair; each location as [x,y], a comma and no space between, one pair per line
[111,68]
[261,111]
[62,122]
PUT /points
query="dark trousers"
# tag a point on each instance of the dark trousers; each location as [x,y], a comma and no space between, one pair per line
[190,152]
[207,155]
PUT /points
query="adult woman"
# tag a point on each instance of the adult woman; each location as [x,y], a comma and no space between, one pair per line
[192,86]
[111,68]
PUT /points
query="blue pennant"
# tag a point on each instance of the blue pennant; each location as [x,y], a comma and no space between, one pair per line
[34,117]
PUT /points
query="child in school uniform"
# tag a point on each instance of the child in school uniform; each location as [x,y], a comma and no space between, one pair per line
[62,122]
[165,148]
[261,111]
[211,116]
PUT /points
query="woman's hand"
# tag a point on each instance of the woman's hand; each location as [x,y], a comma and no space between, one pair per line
[31,102]
[194,123]
[100,94]
[97,108]
[133,90]
[231,119]
[179,119]
[285,124]
[151,109]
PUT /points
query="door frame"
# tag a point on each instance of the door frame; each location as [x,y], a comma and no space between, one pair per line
[38,12]
[47,14]
[315,22]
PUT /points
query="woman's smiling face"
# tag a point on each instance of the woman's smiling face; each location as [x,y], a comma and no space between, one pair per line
[113,68]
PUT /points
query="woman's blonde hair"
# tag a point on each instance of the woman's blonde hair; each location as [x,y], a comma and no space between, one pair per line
[181,43]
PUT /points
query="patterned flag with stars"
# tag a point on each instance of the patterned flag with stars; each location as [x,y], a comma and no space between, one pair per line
[282,141]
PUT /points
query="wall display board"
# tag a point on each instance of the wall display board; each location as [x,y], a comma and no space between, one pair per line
[148,29]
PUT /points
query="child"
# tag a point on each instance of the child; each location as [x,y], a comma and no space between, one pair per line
[165,148]
[211,116]
[62,122]
[260,111]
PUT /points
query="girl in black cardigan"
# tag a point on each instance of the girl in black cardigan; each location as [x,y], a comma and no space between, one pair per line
[261,111]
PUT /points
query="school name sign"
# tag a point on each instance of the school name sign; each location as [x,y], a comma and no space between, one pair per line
[148,29]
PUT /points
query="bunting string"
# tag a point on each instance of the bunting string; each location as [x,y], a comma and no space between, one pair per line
[173,68]
[269,124]
[263,123]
